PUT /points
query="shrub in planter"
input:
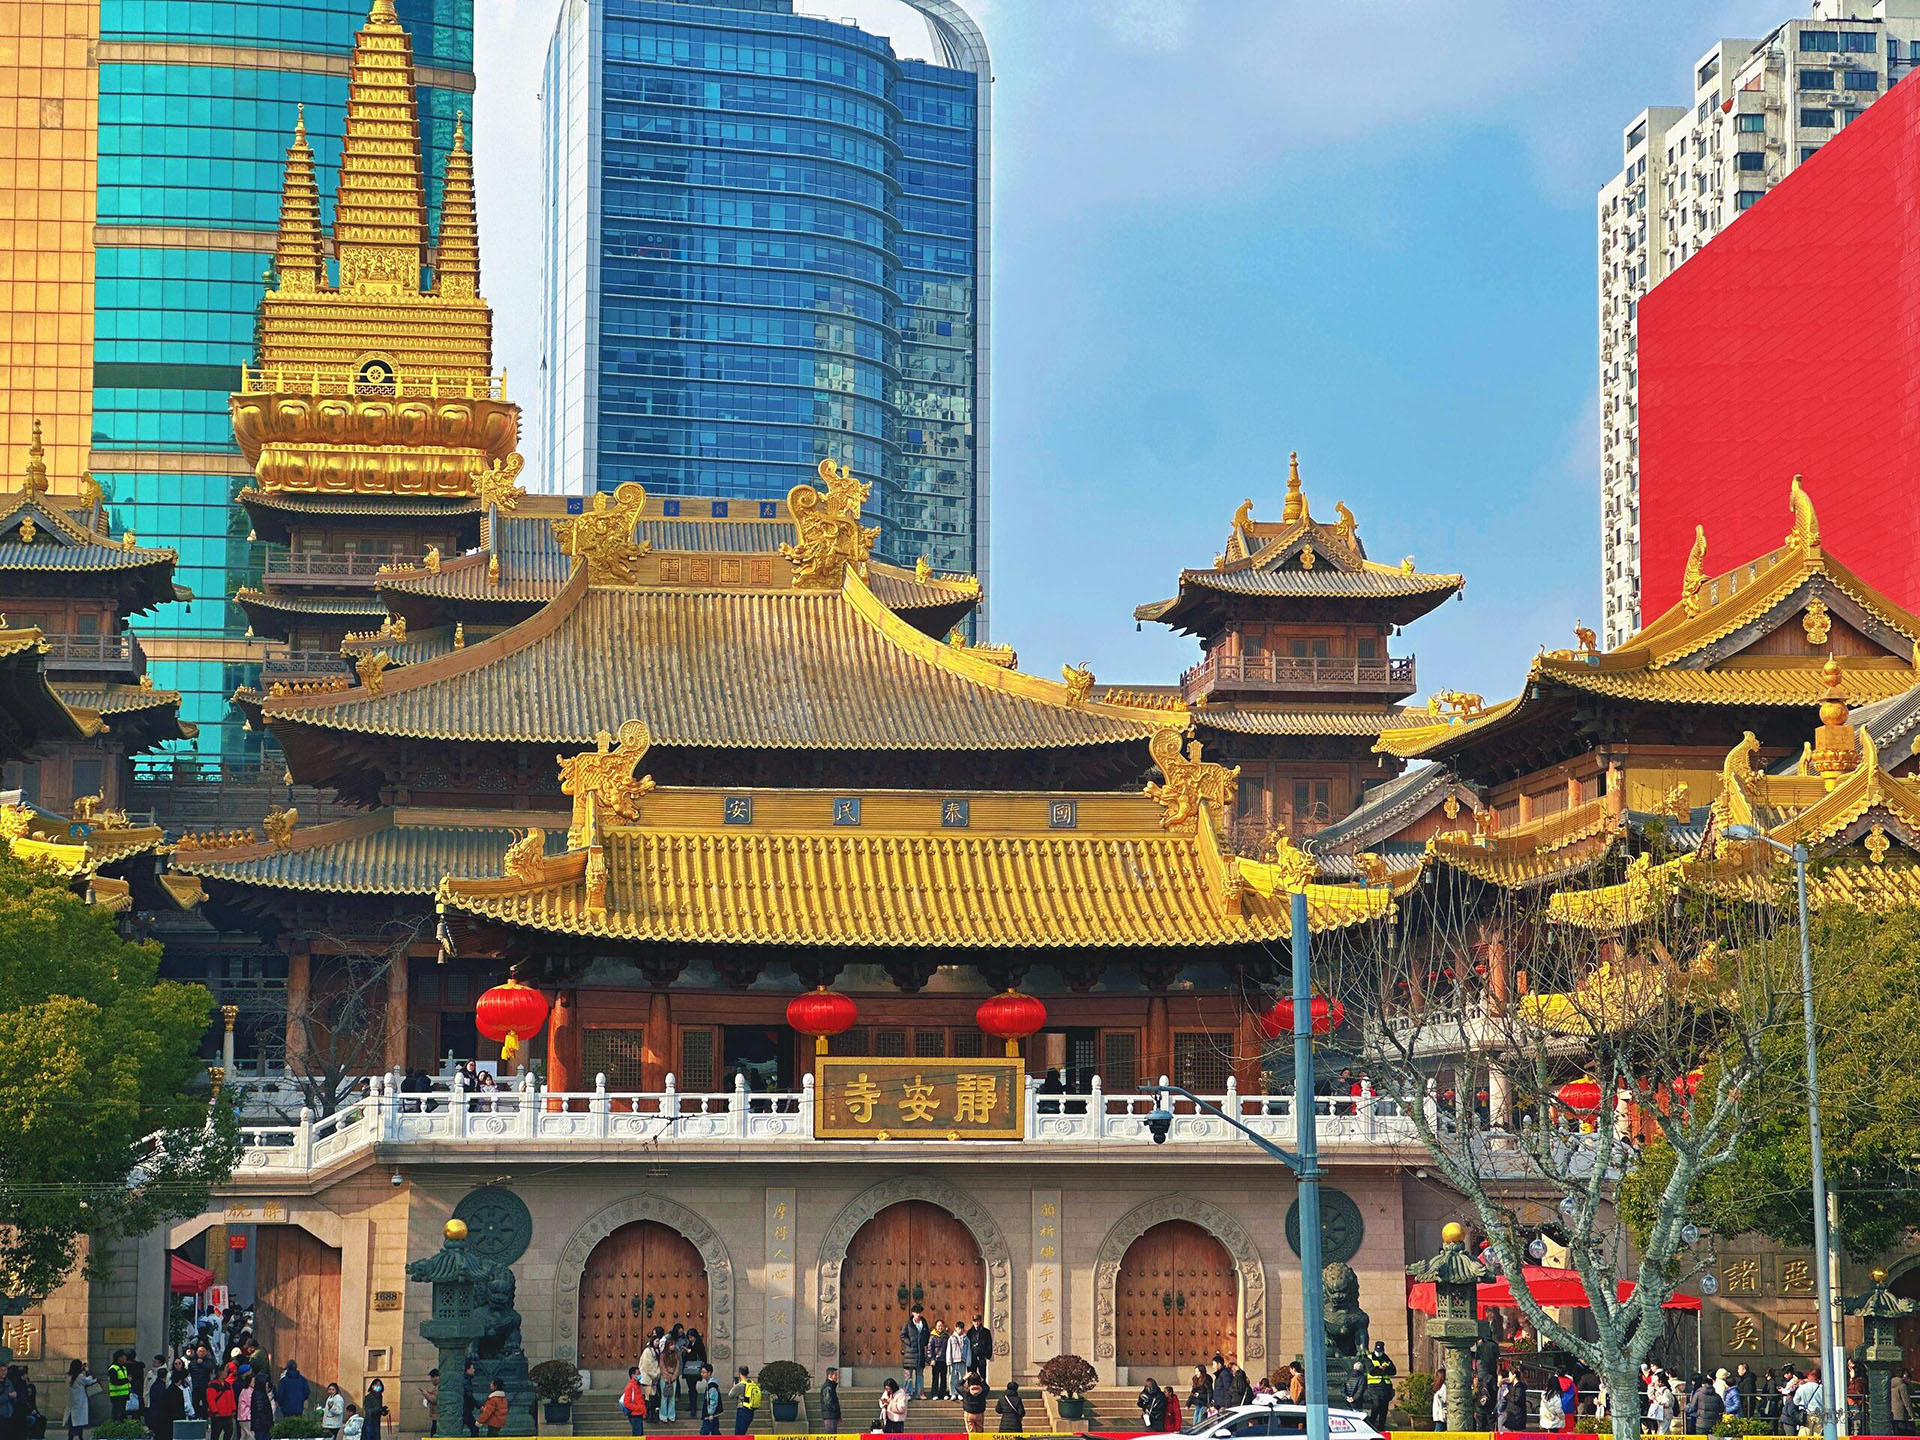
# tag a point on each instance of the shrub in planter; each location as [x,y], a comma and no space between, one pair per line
[1068,1378]
[296,1427]
[1416,1395]
[1592,1425]
[785,1381]
[557,1383]
[1736,1425]
[120,1430]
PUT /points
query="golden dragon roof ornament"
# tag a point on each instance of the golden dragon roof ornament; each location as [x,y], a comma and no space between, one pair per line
[1079,680]
[601,782]
[1188,781]
[1695,579]
[279,826]
[1805,534]
[525,854]
[601,538]
[495,483]
[828,529]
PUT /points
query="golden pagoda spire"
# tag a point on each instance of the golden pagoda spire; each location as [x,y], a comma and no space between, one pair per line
[1836,748]
[36,483]
[299,259]
[457,266]
[380,217]
[1296,507]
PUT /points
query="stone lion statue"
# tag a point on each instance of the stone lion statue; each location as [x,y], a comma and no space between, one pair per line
[1347,1323]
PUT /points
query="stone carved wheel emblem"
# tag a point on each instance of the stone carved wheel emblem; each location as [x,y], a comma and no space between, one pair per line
[499,1225]
[1342,1227]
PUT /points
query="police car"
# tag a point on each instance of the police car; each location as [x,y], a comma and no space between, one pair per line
[1277,1417]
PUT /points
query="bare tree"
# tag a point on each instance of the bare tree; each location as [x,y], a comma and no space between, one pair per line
[339,1033]
[1653,995]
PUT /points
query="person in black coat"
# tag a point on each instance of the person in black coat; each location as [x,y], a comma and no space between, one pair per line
[915,1336]
[165,1404]
[1354,1391]
[979,1347]
[1513,1402]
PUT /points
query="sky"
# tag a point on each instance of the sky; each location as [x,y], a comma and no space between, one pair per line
[1228,229]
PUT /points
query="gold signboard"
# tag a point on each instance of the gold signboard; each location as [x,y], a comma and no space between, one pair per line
[895,1099]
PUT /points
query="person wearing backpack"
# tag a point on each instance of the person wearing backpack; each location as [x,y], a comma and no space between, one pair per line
[633,1400]
[745,1398]
[709,1402]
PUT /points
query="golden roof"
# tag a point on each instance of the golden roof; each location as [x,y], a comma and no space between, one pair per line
[1534,853]
[792,876]
[1697,653]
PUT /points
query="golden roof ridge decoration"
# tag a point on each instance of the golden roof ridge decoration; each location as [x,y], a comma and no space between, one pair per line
[371,668]
[1836,748]
[1295,509]
[830,539]
[601,537]
[496,483]
[1079,680]
[602,784]
[1805,534]
[1188,782]
[523,858]
[35,482]
[1695,578]
[278,826]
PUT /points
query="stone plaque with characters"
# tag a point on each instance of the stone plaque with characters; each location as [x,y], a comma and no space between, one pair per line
[928,1099]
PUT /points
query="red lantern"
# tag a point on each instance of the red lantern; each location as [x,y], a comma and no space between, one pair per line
[1012,1017]
[1325,1016]
[1580,1096]
[821,1013]
[510,1013]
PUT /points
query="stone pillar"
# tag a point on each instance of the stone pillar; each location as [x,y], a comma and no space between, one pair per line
[399,986]
[656,1045]
[229,1015]
[1881,1312]
[1499,1098]
[563,1046]
[1455,1326]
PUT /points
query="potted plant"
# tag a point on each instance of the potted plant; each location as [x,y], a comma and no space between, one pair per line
[785,1381]
[121,1429]
[557,1383]
[1068,1378]
[297,1427]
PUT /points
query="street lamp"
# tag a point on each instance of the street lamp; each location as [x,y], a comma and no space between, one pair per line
[1833,1373]
[1305,1165]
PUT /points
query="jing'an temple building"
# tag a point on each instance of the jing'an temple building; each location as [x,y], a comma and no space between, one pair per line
[814,957]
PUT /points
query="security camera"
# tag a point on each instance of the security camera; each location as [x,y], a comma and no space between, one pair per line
[398,1179]
[1159,1122]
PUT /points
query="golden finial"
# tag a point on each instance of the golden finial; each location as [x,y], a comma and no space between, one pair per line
[1296,507]
[1188,782]
[129,539]
[602,784]
[36,483]
[27,530]
[459,130]
[601,536]
[524,856]
[1453,1233]
[827,528]
[383,13]
[1406,565]
[1348,528]
[1805,534]
[1836,749]
[1372,867]
[146,682]
[459,635]
[1295,869]
[300,124]
[455,1230]
[1307,557]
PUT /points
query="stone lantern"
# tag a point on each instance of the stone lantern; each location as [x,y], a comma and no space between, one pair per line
[1455,1327]
[1881,1312]
[473,1319]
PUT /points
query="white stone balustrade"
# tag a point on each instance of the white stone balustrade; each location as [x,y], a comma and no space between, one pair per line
[451,1119]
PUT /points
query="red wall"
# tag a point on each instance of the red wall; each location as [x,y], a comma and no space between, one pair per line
[1791,344]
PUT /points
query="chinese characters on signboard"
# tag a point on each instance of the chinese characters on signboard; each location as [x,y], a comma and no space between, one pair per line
[929,1099]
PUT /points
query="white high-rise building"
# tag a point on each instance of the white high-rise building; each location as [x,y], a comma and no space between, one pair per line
[1759,108]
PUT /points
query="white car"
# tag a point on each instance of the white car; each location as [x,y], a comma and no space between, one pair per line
[1279,1418]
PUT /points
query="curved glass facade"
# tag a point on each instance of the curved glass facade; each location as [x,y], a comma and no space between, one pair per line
[190,165]
[761,253]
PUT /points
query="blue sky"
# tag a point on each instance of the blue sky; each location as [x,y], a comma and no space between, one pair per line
[1227,229]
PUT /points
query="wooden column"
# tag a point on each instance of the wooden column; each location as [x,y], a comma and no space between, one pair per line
[399,986]
[1248,1048]
[656,1046]
[299,972]
[1526,808]
[563,1045]
[1159,1056]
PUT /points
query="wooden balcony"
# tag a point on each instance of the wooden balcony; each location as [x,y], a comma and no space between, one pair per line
[324,568]
[98,657]
[1272,674]
[297,665]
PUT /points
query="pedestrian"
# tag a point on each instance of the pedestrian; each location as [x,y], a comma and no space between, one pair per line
[709,1402]
[354,1424]
[1296,1384]
[199,1372]
[333,1411]
[1440,1404]
[1708,1408]
[1569,1403]
[1199,1396]
[493,1412]
[1380,1373]
[979,1347]
[1354,1389]
[893,1408]
[633,1400]
[1173,1410]
[937,1361]
[650,1374]
[956,1357]
[1550,1407]
[915,1336]
[164,1403]
[1732,1402]
[470,1400]
[830,1400]
[1511,1401]
[745,1400]
[291,1396]
[1898,1404]
[1810,1399]
[1011,1409]
[1153,1406]
[430,1401]
[1659,1402]
[374,1411]
[973,1402]
[222,1404]
[119,1384]
[672,1347]
[692,1356]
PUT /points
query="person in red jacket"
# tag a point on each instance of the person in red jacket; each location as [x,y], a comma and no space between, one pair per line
[222,1404]
[633,1400]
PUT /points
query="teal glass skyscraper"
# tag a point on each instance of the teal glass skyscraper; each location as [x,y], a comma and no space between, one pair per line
[197,105]
[766,243]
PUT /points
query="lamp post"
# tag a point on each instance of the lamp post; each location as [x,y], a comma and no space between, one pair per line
[1833,1369]
[1305,1165]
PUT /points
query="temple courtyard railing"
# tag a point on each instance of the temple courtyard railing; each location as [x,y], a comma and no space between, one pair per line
[447,1120]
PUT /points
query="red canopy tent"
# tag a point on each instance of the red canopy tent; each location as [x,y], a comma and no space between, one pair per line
[1554,1289]
[186,1278]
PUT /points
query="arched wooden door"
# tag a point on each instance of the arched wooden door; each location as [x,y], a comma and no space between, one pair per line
[913,1251]
[640,1276]
[1178,1299]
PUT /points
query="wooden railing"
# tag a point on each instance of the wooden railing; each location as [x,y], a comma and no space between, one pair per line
[1299,672]
[112,653]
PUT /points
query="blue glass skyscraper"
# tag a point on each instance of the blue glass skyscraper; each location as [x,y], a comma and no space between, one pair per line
[766,244]
[197,106]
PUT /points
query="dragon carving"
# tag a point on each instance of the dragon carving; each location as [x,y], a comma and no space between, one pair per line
[828,529]
[1188,780]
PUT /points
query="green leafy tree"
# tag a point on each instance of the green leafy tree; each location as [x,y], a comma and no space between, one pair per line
[102,1133]
[1866,991]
